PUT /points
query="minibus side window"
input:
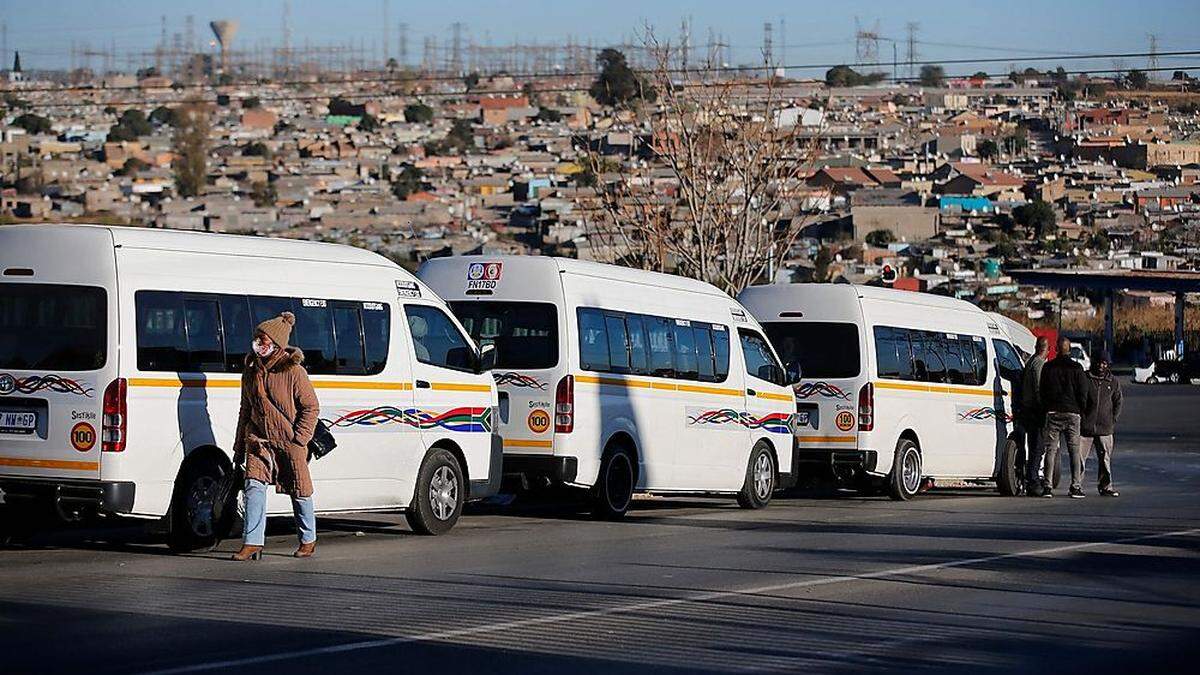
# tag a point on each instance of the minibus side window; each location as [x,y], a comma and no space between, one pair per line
[686,366]
[893,355]
[593,341]
[760,361]
[721,352]
[975,350]
[1007,359]
[313,334]
[206,353]
[928,363]
[347,331]
[161,335]
[704,352]
[662,359]
[618,344]
[377,325]
[263,308]
[437,340]
[638,355]
[956,365]
[237,329]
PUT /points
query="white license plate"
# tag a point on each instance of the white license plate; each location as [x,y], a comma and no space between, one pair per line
[802,419]
[18,422]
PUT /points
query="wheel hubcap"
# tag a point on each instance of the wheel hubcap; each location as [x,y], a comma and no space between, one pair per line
[620,482]
[200,505]
[443,493]
[764,476]
[912,471]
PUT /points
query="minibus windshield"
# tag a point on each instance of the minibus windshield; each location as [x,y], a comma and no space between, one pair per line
[52,327]
[525,334]
[823,349]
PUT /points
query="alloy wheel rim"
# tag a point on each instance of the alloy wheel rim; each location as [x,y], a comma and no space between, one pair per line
[443,493]
[200,505]
[912,471]
[764,476]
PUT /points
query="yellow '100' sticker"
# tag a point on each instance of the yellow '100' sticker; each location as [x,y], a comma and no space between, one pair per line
[844,420]
[538,421]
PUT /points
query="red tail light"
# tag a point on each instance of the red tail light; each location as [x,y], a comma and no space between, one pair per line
[866,407]
[112,430]
[564,405]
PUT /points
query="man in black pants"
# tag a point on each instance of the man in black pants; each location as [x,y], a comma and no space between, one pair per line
[1064,396]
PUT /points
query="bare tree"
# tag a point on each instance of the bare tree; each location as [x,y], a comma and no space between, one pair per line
[190,145]
[714,187]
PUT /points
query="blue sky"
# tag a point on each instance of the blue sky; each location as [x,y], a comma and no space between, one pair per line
[817,32]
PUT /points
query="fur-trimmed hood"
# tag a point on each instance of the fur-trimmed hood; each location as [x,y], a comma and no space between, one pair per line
[292,356]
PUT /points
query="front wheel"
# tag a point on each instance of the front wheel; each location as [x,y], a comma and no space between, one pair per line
[760,479]
[614,488]
[905,479]
[1009,480]
[193,524]
[438,500]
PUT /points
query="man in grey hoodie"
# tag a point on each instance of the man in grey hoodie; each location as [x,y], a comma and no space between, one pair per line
[1033,417]
[1100,420]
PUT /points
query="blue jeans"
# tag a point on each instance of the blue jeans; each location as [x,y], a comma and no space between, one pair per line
[256,515]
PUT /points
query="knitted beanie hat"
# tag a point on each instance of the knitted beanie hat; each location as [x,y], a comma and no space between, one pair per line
[279,329]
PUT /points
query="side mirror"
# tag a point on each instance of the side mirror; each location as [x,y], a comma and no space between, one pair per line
[794,373]
[487,358]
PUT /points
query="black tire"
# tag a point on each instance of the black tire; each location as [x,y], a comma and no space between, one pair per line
[1009,479]
[613,491]
[905,479]
[191,524]
[761,475]
[440,494]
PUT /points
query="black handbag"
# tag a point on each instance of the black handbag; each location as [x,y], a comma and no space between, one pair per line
[322,442]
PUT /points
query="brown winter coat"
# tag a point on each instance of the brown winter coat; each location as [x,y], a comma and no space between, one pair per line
[276,421]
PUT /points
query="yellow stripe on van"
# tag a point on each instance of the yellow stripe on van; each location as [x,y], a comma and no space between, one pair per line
[826,439]
[774,397]
[663,386]
[519,443]
[458,386]
[935,389]
[176,383]
[50,464]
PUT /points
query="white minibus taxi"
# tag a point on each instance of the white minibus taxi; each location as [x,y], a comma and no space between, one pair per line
[900,388]
[622,380]
[120,358]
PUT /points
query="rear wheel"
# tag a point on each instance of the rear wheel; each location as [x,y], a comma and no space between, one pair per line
[760,479]
[1009,480]
[614,487]
[192,522]
[438,500]
[905,480]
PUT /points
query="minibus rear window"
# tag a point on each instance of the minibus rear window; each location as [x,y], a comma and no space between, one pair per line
[52,327]
[525,334]
[824,349]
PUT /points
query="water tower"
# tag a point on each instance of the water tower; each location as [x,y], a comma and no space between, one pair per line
[224,30]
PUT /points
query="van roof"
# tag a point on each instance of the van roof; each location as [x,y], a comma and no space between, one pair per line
[780,292]
[230,244]
[596,269]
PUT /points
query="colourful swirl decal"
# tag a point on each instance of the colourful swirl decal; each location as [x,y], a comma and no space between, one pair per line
[982,414]
[822,389]
[456,419]
[776,423]
[519,381]
[35,383]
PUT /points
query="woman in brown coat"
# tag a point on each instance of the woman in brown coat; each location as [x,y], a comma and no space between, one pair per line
[277,418]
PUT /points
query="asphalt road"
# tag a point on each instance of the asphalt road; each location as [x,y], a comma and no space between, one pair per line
[949,582]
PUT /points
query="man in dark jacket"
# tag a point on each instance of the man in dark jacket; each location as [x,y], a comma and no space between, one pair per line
[1063,391]
[1032,417]
[1100,420]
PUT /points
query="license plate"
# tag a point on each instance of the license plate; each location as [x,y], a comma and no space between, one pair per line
[802,419]
[18,422]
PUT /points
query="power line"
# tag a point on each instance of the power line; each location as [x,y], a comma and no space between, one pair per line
[416,79]
[551,90]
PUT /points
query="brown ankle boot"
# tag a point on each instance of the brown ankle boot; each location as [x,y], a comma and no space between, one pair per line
[248,553]
[306,550]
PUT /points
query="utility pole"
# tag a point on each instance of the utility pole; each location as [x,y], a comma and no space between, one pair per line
[386,35]
[911,57]
[456,47]
[403,37]
[767,46]
[1152,61]
[783,43]
[286,26]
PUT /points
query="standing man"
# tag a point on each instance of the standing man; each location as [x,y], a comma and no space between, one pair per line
[1101,419]
[1064,396]
[1033,418]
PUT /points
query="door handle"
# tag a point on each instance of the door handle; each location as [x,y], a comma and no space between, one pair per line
[422,384]
[751,392]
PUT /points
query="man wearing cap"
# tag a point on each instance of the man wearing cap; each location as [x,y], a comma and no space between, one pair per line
[277,418]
